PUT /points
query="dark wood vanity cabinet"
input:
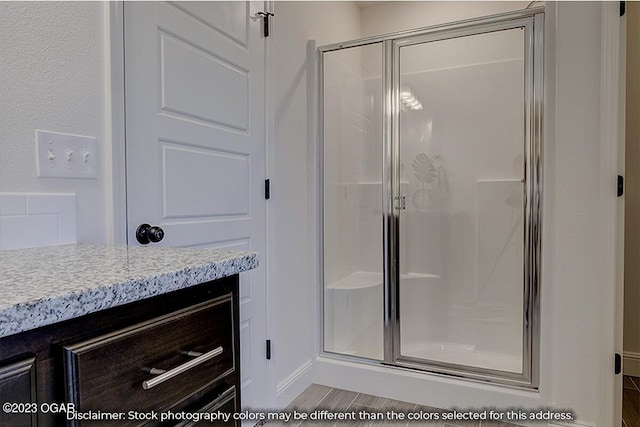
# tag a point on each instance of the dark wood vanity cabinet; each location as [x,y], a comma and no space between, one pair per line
[176,352]
[17,381]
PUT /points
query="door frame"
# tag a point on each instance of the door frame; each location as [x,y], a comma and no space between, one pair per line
[115,121]
[611,212]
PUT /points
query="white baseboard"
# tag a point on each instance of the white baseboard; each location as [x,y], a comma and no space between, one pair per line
[631,363]
[294,384]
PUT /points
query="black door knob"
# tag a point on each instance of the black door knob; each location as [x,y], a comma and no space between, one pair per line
[146,234]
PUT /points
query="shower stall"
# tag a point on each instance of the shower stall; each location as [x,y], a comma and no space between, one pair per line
[431,186]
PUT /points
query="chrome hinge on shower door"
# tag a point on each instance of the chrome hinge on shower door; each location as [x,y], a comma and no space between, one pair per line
[401,203]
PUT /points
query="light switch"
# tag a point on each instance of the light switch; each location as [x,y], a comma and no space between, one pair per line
[61,155]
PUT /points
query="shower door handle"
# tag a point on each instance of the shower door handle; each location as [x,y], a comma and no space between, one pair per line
[402,203]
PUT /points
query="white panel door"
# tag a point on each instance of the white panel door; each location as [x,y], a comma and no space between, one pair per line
[195,138]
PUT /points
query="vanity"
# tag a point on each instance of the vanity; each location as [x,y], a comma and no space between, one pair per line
[116,335]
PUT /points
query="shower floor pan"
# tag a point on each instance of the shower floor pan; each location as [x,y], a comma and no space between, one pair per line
[462,354]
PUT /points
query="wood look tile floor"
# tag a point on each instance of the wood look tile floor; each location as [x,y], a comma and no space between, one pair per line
[631,402]
[319,397]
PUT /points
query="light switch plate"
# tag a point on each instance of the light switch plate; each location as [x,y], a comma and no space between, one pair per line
[61,155]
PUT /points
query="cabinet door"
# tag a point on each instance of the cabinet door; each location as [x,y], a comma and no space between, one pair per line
[18,387]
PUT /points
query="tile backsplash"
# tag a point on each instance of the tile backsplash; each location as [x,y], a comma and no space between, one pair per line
[36,219]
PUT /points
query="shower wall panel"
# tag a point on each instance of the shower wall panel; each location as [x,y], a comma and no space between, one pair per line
[462,161]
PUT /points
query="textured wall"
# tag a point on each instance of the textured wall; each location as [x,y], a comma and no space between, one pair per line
[52,77]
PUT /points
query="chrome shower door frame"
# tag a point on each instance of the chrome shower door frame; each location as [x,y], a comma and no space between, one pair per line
[532,22]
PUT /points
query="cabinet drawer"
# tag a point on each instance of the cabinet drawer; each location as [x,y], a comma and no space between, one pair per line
[225,403]
[152,365]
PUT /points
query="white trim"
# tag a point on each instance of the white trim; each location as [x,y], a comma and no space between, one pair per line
[620,231]
[631,363]
[294,384]
[314,167]
[269,229]
[115,121]
[610,384]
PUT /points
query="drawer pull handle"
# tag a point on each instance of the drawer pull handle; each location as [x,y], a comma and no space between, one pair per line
[166,375]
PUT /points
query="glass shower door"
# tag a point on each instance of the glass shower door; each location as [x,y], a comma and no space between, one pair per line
[462,153]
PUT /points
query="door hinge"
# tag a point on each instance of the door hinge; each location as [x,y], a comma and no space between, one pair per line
[401,203]
[265,21]
[268,350]
[267,189]
[620,185]
[623,7]
[618,364]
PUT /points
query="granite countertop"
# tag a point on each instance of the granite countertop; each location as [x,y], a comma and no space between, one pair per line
[45,285]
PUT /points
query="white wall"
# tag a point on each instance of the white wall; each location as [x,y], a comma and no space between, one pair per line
[292,212]
[570,289]
[460,228]
[52,60]
[389,17]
